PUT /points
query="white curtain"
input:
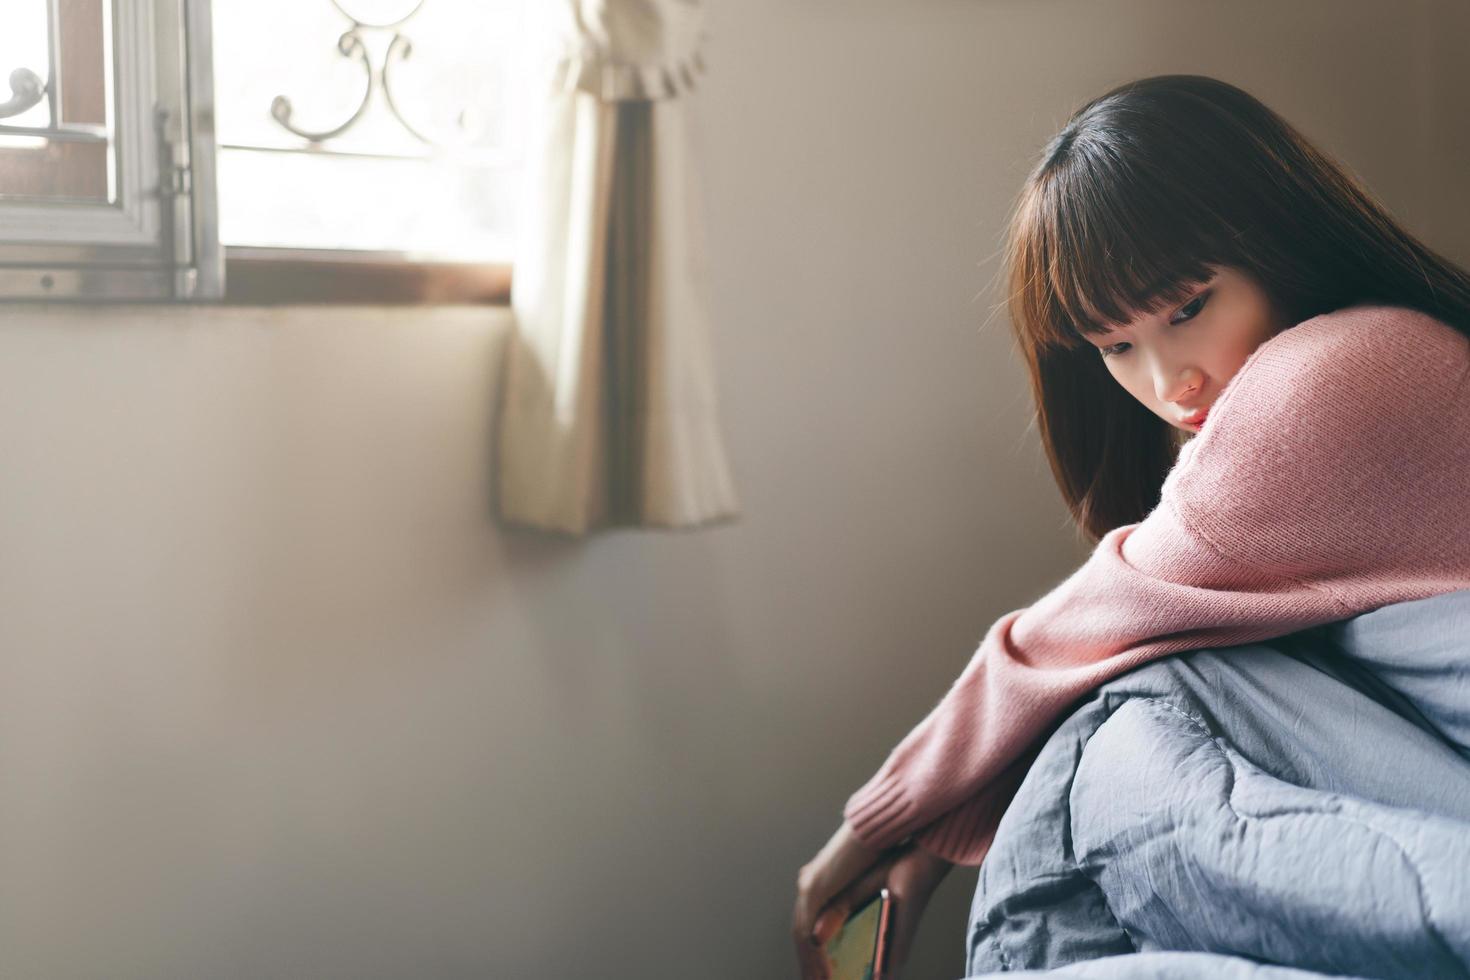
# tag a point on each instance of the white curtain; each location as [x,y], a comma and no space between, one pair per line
[609,415]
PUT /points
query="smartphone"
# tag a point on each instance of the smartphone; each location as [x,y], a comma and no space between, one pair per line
[857,951]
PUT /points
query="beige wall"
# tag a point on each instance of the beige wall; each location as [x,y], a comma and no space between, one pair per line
[279,698]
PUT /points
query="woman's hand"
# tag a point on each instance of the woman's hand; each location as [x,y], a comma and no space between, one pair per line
[837,865]
[910,874]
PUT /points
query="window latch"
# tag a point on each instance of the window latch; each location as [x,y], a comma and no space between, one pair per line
[175,175]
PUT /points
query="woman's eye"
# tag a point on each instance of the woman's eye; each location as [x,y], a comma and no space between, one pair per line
[1191,309]
[1188,311]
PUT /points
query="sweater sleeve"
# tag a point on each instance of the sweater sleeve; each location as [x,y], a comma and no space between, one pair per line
[1292,509]
[1148,589]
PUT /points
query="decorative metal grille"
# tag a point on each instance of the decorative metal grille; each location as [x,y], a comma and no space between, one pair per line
[28,89]
[411,107]
[354,45]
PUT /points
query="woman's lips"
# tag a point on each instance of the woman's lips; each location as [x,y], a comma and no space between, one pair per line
[1196,419]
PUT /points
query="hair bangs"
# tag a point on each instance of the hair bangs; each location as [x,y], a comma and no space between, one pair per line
[1102,258]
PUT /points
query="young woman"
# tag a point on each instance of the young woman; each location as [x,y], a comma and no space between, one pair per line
[1251,386]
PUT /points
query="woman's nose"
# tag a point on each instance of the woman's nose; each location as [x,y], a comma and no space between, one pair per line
[1177,385]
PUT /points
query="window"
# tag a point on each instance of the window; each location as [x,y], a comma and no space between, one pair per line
[261,149]
[103,162]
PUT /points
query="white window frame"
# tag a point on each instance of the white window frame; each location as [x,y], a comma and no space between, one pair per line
[159,239]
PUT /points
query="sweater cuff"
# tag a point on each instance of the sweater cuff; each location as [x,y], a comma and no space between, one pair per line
[880,813]
[963,835]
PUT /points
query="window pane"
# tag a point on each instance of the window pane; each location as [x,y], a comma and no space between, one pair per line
[25,45]
[308,200]
[54,123]
[406,116]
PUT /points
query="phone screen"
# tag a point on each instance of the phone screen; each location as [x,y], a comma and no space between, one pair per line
[855,953]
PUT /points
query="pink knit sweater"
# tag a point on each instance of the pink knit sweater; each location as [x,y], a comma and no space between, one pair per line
[1332,477]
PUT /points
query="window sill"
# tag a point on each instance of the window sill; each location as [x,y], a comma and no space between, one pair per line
[276,277]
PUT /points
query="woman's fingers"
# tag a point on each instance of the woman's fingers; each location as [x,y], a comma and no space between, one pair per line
[851,898]
[810,957]
[843,877]
[808,903]
[832,917]
[841,860]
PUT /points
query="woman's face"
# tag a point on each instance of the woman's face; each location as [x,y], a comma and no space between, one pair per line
[1178,360]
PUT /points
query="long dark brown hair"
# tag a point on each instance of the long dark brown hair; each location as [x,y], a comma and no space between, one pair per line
[1144,188]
